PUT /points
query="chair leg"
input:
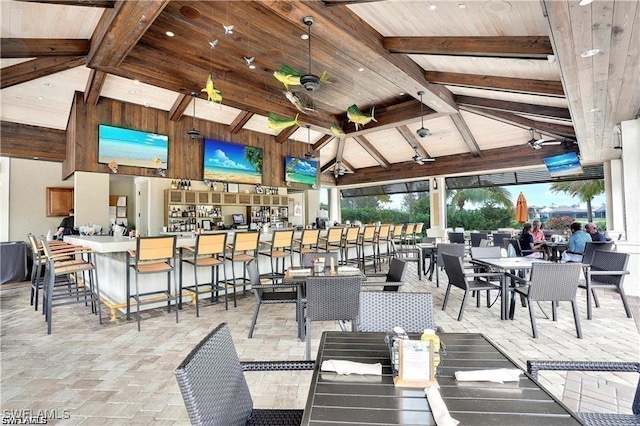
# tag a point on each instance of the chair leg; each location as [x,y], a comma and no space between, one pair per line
[590,293]
[512,305]
[307,337]
[623,296]
[576,318]
[554,311]
[446,297]
[533,320]
[254,319]
[195,282]
[138,302]
[595,297]
[464,302]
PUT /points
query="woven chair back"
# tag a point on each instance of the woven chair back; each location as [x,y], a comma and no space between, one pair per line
[380,311]
[554,281]
[333,298]
[609,261]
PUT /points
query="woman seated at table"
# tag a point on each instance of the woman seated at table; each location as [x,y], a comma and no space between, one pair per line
[577,241]
[527,243]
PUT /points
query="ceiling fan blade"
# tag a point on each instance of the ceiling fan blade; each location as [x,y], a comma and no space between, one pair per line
[550,142]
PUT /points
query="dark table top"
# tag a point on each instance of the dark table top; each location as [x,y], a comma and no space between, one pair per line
[374,400]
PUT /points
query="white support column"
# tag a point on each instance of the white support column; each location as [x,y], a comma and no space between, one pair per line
[438,211]
[614,198]
[335,211]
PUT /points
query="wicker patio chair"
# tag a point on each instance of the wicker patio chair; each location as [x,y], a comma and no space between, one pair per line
[331,298]
[549,282]
[476,237]
[307,258]
[214,388]
[393,277]
[455,249]
[381,311]
[456,237]
[469,282]
[277,293]
[596,419]
[607,270]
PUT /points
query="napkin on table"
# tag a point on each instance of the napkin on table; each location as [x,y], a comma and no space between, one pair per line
[500,375]
[438,408]
[300,272]
[350,367]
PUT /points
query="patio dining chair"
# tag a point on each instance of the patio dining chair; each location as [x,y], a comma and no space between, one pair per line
[476,237]
[382,311]
[215,391]
[549,282]
[467,281]
[393,278]
[332,298]
[607,270]
[450,248]
[595,419]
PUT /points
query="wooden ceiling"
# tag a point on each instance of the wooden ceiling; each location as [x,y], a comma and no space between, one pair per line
[491,73]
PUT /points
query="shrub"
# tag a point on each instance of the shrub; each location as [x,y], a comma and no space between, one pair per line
[559,222]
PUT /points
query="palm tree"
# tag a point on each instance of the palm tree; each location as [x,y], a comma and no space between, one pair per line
[497,194]
[254,157]
[585,190]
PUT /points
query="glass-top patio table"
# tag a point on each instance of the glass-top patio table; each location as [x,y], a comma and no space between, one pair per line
[506,264]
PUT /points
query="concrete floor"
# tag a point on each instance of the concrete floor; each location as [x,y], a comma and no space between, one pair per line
[87,373]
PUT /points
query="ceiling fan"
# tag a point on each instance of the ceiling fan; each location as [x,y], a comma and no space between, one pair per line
[193,132]
[309,81]
[540,142]
[422,131]
[310,155]
[419,159]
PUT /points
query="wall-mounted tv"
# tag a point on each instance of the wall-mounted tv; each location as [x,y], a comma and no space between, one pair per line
[132,147]
[228,162]
[300,170]
[563,165]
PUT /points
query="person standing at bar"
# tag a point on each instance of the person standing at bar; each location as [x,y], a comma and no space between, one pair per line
[66,226]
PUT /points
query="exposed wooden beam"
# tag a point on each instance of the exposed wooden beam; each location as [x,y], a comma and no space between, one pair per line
[372,151]
[411,139]
[36,68]
[492,159]
[24,141]
[238,123]
[517,107]
[94,86]
[346,2]
[88,3]
[285,134]
[507,84]
[551,129]
[328,166]
[120,29]
[38,47]
[334,25]
[340,151]
[322,142]
[466,134]
[179,106]
[535,47]
[347,166]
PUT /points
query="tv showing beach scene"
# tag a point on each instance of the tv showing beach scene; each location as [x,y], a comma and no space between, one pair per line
[300,170]
[132,147]
[563,165]
[228,162]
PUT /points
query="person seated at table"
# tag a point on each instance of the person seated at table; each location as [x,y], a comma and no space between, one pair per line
[66,226]
[596,236]
[528,243]
[537,232]
[577,241]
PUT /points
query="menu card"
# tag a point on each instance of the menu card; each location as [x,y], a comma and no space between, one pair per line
[415,364]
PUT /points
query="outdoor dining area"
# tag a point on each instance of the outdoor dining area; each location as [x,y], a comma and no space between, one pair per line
[271,351]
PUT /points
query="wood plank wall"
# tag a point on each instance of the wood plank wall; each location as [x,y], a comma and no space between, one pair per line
[185,154]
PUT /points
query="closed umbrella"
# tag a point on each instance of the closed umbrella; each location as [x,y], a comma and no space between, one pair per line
[522,210]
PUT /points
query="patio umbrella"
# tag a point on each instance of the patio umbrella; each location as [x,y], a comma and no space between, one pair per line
[522,210]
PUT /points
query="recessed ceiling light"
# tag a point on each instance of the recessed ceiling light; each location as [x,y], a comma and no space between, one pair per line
[41,98]
[401,94]
[136,81]
[170,33]
[432,7]
[590,53]
[361,69]
[46,83]
[304,36]
[584,2]
[133,92]
[147,104]
[252,67]
[36,158]
[462,6]
[594,110]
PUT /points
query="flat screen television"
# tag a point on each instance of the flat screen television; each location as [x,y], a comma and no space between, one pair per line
[300,170]
[563,165]
[238,219]
[132,147]
[228,162]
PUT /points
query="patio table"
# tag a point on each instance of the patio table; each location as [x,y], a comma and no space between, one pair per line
[369,400]
[504,265]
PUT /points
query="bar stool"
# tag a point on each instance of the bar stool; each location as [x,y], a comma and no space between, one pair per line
[153,255]
[408,234]
[208,252]
[307,243]
[382,237]
[350,241]
[243,250]
[332,241]
[280,247]
[65,268]
[366,239]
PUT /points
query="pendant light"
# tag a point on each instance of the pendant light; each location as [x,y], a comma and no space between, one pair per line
[422,131]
